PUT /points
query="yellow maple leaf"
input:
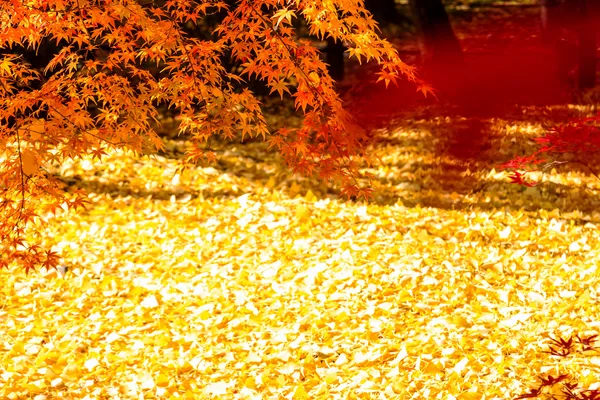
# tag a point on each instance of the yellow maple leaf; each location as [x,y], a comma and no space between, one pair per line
[282,14]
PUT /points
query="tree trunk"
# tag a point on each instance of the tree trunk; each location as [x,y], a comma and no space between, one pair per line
[439,45]
[570,26]
[548,20]
[586,35]
[384,12]
[334,54]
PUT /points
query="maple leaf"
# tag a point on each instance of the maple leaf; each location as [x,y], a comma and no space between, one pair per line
[280,86]
[518,178]
[387,77]
[302,99]
[426,90]
[6,65]
[283,13]
[517,162]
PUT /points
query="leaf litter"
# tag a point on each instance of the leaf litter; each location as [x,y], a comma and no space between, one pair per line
[239,281]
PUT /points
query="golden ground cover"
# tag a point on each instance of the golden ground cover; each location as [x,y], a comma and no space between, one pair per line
[238,281]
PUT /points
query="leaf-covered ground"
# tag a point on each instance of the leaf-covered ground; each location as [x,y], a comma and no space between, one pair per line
[237,281]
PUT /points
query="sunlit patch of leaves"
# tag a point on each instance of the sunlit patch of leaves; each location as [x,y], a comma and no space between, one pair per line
[237,278]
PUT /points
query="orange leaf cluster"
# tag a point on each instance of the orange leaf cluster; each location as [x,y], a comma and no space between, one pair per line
[118,61]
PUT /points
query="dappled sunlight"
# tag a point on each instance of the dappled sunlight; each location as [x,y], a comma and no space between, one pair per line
[401,261]
[239,278]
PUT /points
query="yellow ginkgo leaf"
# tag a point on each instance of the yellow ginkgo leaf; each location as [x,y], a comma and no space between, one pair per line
[300,393]
[469,396]
[162,380]
[432,368]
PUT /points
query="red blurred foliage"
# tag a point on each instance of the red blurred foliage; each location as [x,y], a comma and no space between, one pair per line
[491,84]
[577,141]
[505,64]
[487,85]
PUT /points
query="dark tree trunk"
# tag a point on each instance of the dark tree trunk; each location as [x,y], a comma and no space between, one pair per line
[571,26]
[443,63]
[334,53]
[586,35]
[548,20]
[439,45]
[384,12]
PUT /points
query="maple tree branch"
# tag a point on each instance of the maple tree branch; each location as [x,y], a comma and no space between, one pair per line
[100,55]
[80,12]
[22,207]
[308,81]
[80,130]
[291,57]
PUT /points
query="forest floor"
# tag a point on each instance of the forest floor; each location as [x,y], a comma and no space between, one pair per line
[239,280]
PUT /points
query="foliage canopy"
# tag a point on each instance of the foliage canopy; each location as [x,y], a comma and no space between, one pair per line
[118,61]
